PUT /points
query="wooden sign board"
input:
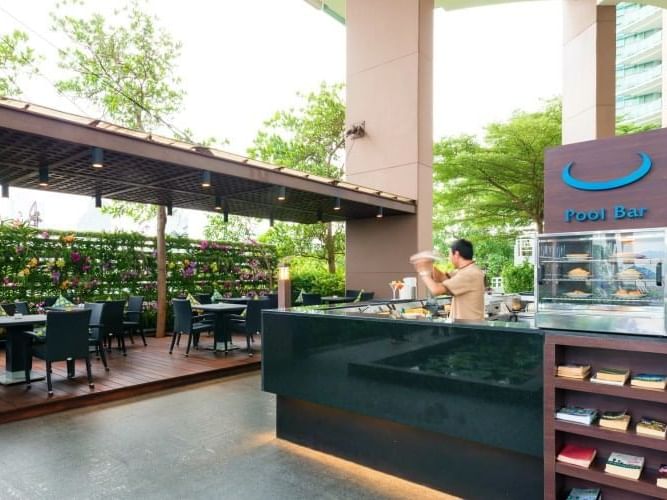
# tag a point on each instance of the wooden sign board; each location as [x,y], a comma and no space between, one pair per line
[614,183]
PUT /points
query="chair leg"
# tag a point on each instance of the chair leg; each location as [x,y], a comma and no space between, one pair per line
[141,332]
[49,385]
[121,338]
[100,351]
[129,332]
[248,336]
[173,341]
[28,354]
[178,340]
[89,371]
[187,350]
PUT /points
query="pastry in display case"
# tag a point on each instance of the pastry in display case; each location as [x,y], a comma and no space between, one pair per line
[605,281]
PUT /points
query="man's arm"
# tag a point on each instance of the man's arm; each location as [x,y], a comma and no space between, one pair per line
[435,287]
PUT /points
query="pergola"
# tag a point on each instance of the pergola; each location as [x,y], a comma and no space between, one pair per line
[39,145]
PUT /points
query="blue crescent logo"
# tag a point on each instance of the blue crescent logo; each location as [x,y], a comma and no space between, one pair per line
[643,169]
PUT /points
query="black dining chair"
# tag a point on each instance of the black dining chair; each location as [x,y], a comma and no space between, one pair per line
[186,323]
[203,298]
[21,307]
[65,339]
[133,322]
[96,335]
[365,296]
[9,307]
[352,293]
[251,323]
[312,299]
[273,300]
[49,301]
[112,323]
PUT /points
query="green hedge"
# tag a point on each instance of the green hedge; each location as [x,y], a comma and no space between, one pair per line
[518,278]
[35,264]
[321,282]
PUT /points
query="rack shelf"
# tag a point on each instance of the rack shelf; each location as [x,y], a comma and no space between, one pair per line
[637,355]
[621,391]
[644,485]
[629,437]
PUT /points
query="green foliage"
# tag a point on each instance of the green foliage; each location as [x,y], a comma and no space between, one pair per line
[498,184]
[237,228]
[125,65]
[313,277]
[138,212]
[625,128]
[87,266]
[307,240]
[15,58]
[310,139]
[493,250]
[518,278]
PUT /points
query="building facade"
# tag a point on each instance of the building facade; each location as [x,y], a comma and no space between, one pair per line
[638,64]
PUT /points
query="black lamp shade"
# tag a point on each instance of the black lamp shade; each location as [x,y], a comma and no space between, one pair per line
[98,200]
[206,179]
[5,190]
[97,157]
[170,209]
[380,213]
[44,175]
[218,203]
[282,193]
[336,204]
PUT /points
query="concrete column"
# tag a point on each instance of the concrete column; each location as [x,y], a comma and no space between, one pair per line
[664,67]
[589,77]
[390,88]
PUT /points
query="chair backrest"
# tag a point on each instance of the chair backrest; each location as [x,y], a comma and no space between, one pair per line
[135,305]
[182,316]
[112,316]
[203,298]
[273,300]
[67,334]
[352,293]
[49,301]
[9,307]
[253,317]
[21,308]
[312,299]
[367,296]
[96,311]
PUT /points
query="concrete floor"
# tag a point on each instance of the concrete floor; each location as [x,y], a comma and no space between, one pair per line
[212,440]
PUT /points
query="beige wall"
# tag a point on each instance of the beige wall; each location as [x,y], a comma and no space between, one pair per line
[589,78]
[390,87]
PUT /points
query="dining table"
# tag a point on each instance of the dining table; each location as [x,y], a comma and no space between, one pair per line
[16,347]
[221,332]
[235,300]
[337,299]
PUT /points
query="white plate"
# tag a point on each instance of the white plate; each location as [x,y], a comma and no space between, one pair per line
[571,295]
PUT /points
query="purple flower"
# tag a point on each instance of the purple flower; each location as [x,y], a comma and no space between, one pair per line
[75,256]
[55,277]
[45,235]
[6,280]
[203,245]
[85,267]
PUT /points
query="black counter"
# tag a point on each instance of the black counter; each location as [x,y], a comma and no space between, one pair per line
[457,406]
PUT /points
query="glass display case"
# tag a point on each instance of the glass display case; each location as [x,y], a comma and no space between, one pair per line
[606,281]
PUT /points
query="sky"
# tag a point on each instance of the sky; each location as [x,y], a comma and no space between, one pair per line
[242,61]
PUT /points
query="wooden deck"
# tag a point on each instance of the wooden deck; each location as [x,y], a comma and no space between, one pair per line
[143,370]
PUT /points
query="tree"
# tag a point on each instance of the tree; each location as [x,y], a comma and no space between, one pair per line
[126,67]
[15,58]
[310,139]
[237,228]
[499,183]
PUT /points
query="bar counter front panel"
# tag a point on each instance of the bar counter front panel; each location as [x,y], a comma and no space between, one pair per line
[454,406]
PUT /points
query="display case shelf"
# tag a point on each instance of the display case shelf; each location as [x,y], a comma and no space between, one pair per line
[629,437]
[621,391]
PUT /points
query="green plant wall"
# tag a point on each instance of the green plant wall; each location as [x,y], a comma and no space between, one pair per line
[35,264]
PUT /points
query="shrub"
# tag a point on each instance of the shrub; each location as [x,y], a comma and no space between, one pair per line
[518,278]
[317,281]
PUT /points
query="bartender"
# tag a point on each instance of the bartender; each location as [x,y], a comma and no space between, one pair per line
[466,284]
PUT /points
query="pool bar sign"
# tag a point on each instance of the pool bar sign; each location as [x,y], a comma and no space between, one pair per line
[610,183]
[616,211]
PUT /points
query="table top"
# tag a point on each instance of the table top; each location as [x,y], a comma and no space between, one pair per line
[27,319]
[220,307]
[338,298]
[235,300]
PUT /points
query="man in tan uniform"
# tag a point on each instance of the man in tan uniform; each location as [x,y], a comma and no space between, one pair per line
[466,284]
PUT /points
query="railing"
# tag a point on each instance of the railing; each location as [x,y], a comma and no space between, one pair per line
[636,79]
